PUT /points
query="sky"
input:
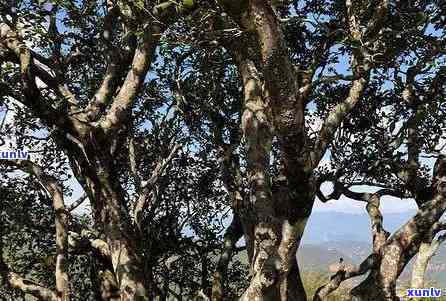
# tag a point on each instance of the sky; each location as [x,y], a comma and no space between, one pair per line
[389,204]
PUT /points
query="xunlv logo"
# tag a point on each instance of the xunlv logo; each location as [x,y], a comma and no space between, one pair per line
[20,155]
[424,292]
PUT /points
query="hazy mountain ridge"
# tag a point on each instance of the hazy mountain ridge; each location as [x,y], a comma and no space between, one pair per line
[330,236]
[340,226]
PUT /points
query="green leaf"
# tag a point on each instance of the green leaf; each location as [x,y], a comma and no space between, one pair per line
[188,3]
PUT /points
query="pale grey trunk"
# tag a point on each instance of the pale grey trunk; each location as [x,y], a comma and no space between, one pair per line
[425,253]
[275,272]
[62,279]
[420,265]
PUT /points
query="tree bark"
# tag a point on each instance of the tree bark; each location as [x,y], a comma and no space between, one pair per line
[121,238]
[55,191]
[91,137]
[391,255]
[106,287]
[233,234]
[397,252]
[61,220]
[425,253]
[274,237]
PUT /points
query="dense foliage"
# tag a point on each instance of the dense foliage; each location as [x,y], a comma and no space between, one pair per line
[167,136]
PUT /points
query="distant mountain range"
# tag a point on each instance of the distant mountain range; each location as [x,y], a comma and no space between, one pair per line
[339,226]
[330,236]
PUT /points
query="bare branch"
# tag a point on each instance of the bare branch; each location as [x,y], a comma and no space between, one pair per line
[148,185]
[77,203]
[426,251]
[344,274]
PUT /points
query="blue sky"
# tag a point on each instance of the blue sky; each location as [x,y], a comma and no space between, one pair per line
[389,204]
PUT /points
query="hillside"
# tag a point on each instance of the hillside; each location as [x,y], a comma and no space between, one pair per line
[332,235]
[339,226]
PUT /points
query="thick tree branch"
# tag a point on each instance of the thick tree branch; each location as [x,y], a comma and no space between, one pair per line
[413,140]
[85,242]
[120,110]
[335,119]
[342,189]
[362,63]
[114,69]
[403,243]
[14,281]
[121,107]
[379,234]
[345,273]
[18,52]
[426,251]
[55,190]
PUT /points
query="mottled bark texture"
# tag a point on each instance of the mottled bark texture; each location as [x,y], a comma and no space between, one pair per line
[271,237]
[426,251]
[61,221]
[275,214]
[92,136]
[379,235]
[55,191]
[399,249]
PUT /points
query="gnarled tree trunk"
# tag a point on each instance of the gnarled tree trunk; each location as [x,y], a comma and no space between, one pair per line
[275,216]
